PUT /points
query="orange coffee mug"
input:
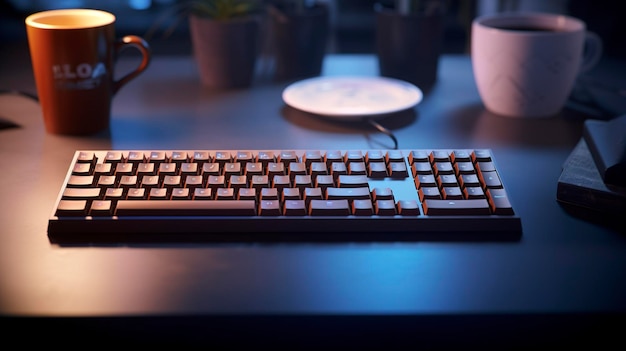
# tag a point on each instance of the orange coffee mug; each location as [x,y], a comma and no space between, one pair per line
[73,53]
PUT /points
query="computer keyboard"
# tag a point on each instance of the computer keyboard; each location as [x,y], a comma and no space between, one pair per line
[283,195]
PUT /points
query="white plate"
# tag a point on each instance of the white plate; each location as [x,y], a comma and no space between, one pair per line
[352,97]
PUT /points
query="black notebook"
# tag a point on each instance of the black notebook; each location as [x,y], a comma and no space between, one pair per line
[581,186]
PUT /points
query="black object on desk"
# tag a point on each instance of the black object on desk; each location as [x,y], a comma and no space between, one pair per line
[607,143]
[594,175]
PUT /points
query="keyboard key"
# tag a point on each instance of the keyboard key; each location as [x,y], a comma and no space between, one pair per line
[456,207]
[408,208]
[338,168]
[101,208]
[353,156]
[499,202]
[425,180]
[260,181]
[452,193]
[460,156]
[225,194]
[150,182]
[246,194]
[287,156]
[124,169]
[469,180]
[294,208]
[357,168]
[107,181]
[80,181]
[352,181]
[385,208]
[303,181]
[167,168]
[324,181]
[398,170]
[114,157]
[312,156]
[136,157]
[157,157]
[180,194]
[481,155]
[82,169]
[204,194]
[394,156]
[474,192]
[374,156]
[273,169]
[72,208]
[333,156]
[348,193]
[102,169]
[429,192]
[179,157]
[297,168]
[159,194]
[232,168]
[329,207]
[464,167]
[269,194]
[382,194]
[439,156]
[86,157]
[418,156]
[318,168]
[362,207]
[256,168]
[143,169]
[281,182]
[491,179]
[201,157]
[422,167]
[137,194]
[291,194]
[313,194]
[186,208]
[114,193]
[269,208]
[244,157]
[81,193]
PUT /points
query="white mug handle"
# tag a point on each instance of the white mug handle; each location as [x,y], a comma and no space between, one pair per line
[592,52]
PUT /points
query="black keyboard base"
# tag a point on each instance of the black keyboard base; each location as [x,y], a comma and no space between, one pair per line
[375,229]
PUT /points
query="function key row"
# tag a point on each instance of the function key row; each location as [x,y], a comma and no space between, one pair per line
[286,156]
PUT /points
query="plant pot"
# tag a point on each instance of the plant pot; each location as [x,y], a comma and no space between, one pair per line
[225,50]
[299,41]
[409,46]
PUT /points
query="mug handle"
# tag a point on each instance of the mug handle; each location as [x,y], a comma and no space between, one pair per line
[143,47]
[592,53]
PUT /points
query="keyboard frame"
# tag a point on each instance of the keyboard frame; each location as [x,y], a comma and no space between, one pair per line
[281,228]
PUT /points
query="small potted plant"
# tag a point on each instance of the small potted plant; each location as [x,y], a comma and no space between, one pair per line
[225,38]
[409,37]
[225,35]
[299,31]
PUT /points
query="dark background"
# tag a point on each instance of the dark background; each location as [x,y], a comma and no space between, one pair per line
[352,25]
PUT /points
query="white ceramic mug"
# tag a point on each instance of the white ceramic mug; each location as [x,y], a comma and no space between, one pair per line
[526,64]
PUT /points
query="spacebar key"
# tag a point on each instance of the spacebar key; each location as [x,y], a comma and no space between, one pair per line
[186,208]
[469,207]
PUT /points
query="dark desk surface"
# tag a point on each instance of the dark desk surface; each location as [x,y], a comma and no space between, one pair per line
[563,266]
